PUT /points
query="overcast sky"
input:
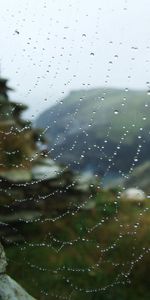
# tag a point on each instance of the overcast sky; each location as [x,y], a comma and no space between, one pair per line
[51,47]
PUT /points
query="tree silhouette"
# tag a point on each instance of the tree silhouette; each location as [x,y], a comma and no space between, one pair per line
[18,140]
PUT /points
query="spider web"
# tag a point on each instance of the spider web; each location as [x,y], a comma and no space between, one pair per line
[65,241]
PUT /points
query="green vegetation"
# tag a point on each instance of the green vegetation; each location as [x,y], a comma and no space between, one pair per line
[60,242]
[106,246]
[18,140]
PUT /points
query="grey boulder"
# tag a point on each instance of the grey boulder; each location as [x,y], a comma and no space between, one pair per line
[10,289]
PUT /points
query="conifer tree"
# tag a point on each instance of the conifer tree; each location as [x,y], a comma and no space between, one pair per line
[18,140]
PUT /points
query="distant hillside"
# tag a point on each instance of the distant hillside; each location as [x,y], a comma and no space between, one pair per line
[140,177]
[97,128]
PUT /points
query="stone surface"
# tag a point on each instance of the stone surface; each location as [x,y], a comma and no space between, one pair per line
[140,177]
[3,262]
[133,194]
[9,289]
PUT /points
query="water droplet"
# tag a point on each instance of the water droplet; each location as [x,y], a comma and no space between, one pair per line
[148,92]
[116,112]
[134,48]
[16,31]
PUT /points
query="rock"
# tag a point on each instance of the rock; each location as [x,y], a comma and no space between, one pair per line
[3,262]
[140,177]
[133,194]
[9,289]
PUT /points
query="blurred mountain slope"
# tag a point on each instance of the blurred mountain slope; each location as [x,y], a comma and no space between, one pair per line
[89,128]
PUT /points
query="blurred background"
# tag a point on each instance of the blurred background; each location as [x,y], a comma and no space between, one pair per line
[74,144]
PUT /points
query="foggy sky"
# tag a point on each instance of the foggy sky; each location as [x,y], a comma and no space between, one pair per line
[48,48]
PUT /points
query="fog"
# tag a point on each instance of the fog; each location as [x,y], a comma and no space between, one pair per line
[51,47]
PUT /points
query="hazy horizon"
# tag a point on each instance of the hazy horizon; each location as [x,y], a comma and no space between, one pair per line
[57,47]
